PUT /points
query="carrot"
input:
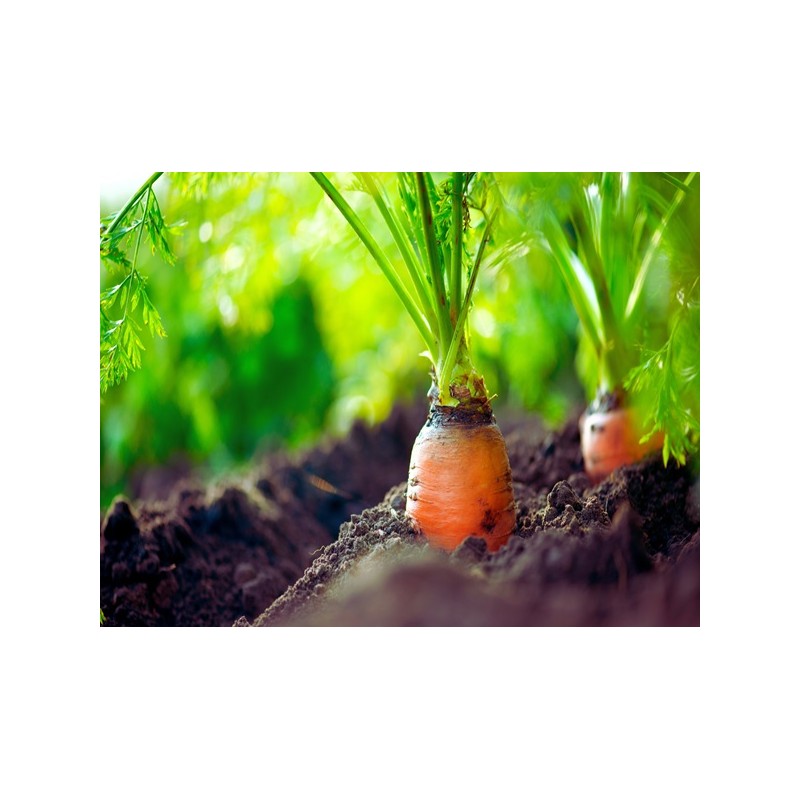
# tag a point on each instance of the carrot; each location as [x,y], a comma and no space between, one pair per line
[604,234]
[459,481]
[610,438]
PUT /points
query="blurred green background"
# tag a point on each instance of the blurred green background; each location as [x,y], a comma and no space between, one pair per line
[281,328]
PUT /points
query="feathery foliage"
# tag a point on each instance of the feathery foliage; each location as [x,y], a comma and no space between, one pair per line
[671,375]
[121,327]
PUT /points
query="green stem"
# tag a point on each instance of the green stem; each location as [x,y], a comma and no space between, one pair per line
[145,187]
[581,300]
[678,184]
[647,260]
[612,344]
[440,297]
[136,253]
[399,235]
[458,232]
[610,190]
[380,257]
[458,333]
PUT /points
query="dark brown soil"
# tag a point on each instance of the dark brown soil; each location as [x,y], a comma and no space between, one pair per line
[263,551]
[209,554]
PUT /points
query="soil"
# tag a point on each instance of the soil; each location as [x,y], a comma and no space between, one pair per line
[208,554]
[321,538]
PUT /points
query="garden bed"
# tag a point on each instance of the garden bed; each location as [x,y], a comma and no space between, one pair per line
[321,538]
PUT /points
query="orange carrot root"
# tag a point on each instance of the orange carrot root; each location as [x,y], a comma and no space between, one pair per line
[459,483]
[610,439]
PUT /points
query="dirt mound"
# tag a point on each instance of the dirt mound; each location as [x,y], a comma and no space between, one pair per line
[623,553]
[207,555]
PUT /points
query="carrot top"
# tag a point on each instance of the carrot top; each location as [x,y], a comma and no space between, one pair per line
[433,264]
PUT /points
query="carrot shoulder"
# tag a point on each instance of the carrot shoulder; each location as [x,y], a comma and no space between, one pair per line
[460,483]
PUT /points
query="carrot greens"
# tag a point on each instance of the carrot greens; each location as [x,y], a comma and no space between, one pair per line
[434,263]
[608,235]
[121,236]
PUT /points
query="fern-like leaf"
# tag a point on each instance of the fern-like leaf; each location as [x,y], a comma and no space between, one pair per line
[121,235]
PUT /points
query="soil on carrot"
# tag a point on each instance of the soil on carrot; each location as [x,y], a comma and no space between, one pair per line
[322,539]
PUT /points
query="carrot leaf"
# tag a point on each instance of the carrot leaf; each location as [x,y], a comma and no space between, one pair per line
[120,240]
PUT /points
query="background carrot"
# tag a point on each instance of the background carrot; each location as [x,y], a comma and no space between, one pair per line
[611,439]
[629,261]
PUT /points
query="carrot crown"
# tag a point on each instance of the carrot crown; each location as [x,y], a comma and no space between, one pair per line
[431,267]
